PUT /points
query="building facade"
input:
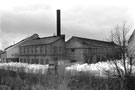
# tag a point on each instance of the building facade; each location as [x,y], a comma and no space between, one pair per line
[90,51]
[43,50]
[47,50]
[131,46]
[3,57]
[11,53]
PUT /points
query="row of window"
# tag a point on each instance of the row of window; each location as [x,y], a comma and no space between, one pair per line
[94,58]
[34,50]
[90,50]
[41,50]
[34,61]
[99,50]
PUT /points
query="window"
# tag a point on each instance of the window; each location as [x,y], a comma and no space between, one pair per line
[28,60]
[20,60]
[41,61]
[20,50]
[31,50]
[41,50]
[27,50]
[72,50]
[60,50]
[36,50]
[36,61]
[24,60]
[32,62]
[55,49]
[73,61]
[24,50]
[98,58]
[103,58]
[45,51]
[47,61]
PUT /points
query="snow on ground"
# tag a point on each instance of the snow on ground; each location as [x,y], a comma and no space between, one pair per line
[100,68]
[24,67]
[95,69]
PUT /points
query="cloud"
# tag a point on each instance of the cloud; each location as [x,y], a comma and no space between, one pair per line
[89,21]
[93,22]
[4,44]
[26,23]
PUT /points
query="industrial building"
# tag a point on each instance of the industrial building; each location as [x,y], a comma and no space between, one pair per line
[46,50]
[91,51]
[43,50]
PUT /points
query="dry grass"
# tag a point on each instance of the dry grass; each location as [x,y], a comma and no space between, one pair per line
[57,80]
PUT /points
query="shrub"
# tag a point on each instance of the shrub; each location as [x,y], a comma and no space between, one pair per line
[85,81]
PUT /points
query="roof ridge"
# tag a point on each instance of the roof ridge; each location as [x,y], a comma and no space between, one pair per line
[90,39]
[45,40]
[51,36]
[17,43]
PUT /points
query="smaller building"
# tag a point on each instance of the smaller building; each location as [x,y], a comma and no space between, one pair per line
[131,46]
[1,55]
[91,51]
[11,53]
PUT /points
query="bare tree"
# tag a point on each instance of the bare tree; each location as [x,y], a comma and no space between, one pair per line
[119,35]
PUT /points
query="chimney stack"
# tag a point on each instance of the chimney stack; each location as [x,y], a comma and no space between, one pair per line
[58,23]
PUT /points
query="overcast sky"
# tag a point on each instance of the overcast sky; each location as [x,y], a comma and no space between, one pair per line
[85,18]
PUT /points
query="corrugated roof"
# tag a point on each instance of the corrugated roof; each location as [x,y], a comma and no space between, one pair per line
[89,41]
[33,36]
[44,40]
[16,43]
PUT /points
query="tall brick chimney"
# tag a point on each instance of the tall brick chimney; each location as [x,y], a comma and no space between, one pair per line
[58,23]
